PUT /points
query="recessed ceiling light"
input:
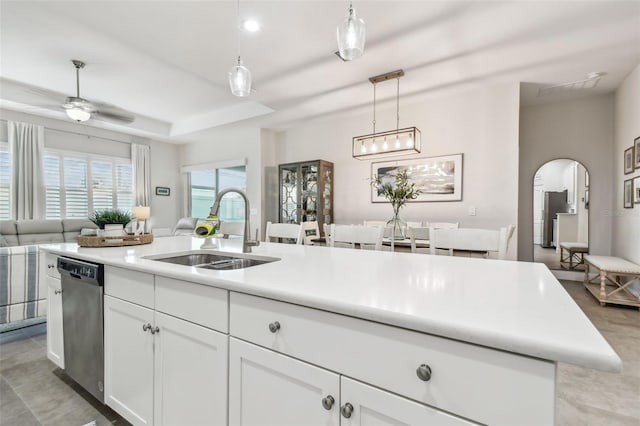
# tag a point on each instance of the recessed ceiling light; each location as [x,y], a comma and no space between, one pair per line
[250,25]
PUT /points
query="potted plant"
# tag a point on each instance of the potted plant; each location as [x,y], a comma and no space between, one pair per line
[112,221]
[398,193]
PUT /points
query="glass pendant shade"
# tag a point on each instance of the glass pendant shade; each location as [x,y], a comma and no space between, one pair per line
[351,36]
[240,80]
[78,114]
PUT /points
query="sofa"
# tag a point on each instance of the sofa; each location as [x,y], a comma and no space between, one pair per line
[23,294]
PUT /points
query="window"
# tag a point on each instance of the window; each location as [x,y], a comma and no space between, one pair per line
[5,181]
[204,185]
[77,185]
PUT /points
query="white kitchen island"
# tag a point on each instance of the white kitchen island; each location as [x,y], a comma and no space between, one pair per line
[332,336]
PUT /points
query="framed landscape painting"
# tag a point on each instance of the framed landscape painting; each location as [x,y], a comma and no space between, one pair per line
[636,190]
[636,150]
[628,161]
[439,178]
[627,202]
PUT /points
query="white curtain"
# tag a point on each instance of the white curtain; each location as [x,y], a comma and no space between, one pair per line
[26,145]
[142,183]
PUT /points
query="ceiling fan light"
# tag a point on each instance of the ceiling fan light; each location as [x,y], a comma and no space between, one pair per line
[351,36]
[78,114]
[240,80]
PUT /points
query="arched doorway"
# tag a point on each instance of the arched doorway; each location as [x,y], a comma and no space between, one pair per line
[561,214]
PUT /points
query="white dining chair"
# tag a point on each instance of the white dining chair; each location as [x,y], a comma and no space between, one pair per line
[366,237]
[471,240]
[442,225]
[418,235]
[288,231]
[310,231]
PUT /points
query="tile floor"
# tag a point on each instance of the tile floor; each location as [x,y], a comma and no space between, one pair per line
[548,256]
[34,392]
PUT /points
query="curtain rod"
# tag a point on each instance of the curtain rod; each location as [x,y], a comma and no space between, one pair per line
[82,134]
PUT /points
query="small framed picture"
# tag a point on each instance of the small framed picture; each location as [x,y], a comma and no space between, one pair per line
[628,161]
[628,194]
[586,199]
[161,190]
[586,178]
[636,190]
[636,146]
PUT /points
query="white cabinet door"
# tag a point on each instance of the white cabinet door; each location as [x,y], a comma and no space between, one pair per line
[55,340]
[190,373]
[266,388]
[363,405]
[128,360]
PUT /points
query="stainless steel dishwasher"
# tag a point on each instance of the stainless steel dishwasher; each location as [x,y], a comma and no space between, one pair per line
[82,323]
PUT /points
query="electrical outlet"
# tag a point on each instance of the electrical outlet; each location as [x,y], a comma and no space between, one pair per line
[472,211]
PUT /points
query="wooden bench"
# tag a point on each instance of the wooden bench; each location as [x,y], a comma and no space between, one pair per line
[610,270]
[574,256]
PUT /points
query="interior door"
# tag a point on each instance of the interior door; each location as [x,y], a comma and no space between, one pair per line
[267,388]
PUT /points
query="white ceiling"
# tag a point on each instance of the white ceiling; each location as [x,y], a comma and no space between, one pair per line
[167,61]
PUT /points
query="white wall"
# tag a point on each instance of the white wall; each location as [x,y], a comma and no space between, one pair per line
[581,130]
[71,136]
[626,222]
[480,123]
[227,144]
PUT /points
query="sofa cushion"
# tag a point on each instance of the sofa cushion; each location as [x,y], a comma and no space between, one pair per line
[72,227]
[20,286]
[9,232]
[39,231]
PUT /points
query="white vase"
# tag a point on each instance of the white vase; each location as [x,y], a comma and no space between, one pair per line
[113,230]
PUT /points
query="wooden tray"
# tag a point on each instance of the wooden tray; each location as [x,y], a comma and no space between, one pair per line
[119,241]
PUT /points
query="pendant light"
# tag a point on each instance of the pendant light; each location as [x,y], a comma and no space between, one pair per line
[403,141]
[239,75]
[351,36]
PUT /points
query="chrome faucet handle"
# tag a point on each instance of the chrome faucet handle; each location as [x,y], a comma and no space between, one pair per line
[256,242]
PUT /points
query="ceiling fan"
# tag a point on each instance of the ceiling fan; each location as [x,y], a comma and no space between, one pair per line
[80,109]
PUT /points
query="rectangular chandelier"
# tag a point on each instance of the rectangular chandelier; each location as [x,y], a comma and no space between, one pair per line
[387,144]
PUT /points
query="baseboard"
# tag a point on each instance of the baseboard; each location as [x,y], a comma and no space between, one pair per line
[568,275]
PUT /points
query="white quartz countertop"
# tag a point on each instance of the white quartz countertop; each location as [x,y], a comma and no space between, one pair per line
[513,306]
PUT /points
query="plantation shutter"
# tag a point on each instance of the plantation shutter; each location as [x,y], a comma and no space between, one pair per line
[5,181]
[75,184]
[124,182]
[102,185]
[53,203]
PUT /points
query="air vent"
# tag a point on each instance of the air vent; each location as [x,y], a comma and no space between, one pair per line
[591,82]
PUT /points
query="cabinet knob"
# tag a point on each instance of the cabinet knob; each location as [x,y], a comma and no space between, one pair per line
[57,291]
[155,330]
[274,327]
[146,327]
[424,372]
[347,410]
[327,402]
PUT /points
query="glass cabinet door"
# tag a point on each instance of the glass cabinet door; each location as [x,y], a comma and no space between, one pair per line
[306,192]
[289,194]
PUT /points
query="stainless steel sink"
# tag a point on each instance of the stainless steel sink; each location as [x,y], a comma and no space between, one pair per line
[216,261]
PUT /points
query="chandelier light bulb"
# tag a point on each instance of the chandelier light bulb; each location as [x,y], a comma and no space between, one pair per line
[240,79]
[409,142]
[385,145]
[351,36]
[374,147]
[363,148]
[397,141]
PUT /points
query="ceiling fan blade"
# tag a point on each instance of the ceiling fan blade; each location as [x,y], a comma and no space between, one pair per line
[113,115]
[49,94]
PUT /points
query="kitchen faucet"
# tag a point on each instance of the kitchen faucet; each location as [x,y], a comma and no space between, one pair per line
[246,242]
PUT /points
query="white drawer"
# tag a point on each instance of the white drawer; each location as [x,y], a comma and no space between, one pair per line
[135,287]
[201,304]
[485,385]
[50,264]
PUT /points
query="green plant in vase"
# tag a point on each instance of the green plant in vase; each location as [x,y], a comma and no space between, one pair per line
[110,217]
[398,193]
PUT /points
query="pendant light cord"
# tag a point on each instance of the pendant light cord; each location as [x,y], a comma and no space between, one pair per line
[238,28]
[374,107]
[77,82]
[398,106]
